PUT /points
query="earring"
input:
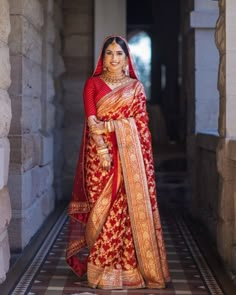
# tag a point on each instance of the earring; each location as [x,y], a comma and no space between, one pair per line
[126,70]
[104,68]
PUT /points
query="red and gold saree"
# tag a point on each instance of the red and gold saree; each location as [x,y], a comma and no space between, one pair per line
[118,208]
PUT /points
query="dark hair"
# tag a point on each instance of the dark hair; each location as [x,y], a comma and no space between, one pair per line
[119,41]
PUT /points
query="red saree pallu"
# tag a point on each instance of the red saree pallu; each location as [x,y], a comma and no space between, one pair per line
[114,213]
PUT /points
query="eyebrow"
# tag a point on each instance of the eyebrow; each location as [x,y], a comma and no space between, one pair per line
[109,50]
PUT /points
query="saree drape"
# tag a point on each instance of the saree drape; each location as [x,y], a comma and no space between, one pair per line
[115,214]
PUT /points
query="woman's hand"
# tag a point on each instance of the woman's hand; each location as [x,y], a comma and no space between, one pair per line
[105,161]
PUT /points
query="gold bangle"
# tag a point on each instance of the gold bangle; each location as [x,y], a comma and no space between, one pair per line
[95,130]
[103,151]
[109,126]
[100,147]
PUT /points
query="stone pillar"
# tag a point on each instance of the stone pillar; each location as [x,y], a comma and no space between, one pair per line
[5,120]
[32,92]
[78,58]
[226,151]
[203,20]
[59,69]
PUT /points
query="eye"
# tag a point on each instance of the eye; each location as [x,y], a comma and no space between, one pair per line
[120,53]
[108,52]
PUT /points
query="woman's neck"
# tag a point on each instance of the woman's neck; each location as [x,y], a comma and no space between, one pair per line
[114,74]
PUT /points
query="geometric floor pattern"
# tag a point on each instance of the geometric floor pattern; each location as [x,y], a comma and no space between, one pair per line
[48,274]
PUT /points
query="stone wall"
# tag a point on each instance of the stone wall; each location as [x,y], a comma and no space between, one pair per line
[215,167]
[206,196]
[5,120]
[78,58]
[32,92]
[59,69]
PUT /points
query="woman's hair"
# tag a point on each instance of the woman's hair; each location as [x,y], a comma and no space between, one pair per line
[119,41]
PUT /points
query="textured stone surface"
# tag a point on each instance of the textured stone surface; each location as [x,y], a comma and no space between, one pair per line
[5,113]
[5,217]
[31,9]
[4,255]
[77,24]
[4,162]
[5,209]
[31,113]
[50,31]
[59,66]
[49,58]
[46,147]
[25,39]
[30,151]
[50,88]
[5,67]
[29,186]
[26,77]
[26,222]
[78,46]
[4,21]
[50,117]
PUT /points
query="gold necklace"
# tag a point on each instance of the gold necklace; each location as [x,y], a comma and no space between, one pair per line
[119,79]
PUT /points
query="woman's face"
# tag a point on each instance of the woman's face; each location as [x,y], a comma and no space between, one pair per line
[114,58]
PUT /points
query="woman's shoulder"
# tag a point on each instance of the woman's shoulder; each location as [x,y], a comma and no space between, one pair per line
[92,79]
[137,83]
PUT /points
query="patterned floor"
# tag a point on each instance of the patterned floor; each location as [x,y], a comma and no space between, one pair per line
[48,273]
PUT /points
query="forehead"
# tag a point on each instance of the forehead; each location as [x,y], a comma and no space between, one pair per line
[114,47]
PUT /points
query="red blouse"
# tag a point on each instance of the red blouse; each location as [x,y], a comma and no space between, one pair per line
[94,89]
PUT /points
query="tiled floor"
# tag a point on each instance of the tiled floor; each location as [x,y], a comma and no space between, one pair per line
[48,273]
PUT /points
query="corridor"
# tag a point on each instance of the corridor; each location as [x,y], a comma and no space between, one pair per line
[48,48]
[44,270]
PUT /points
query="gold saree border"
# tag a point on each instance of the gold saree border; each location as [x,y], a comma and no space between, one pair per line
[111,278]
[140,210]
[116,98]
[98,214]
[75,246]
[78,207]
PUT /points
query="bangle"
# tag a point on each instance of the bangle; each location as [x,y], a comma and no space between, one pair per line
[101,147]
[109,126]
[103,151]
[95,130]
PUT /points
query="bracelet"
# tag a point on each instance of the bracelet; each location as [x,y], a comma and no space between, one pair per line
[103,151]
[109,126]
[95,130]
[100,147]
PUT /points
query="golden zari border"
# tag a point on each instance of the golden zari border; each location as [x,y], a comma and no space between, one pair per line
[115,99]
[98,214]
[78,207]
[139,202]
[111,278]
[74,247]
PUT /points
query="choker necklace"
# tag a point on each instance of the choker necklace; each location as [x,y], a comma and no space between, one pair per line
[118,79]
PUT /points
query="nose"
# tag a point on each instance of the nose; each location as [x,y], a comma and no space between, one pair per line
[113,57]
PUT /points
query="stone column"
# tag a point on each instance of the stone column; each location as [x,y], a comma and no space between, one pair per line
[203,20]
[5,120]
[78,58]
[31,91]
[59,69]
[226,151]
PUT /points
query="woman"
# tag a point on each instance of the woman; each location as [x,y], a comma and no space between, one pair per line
[114,194]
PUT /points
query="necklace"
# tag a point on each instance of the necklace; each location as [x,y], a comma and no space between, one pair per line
[118,79]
